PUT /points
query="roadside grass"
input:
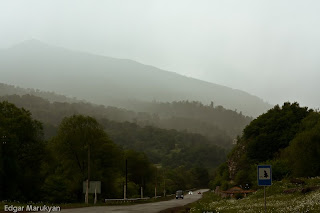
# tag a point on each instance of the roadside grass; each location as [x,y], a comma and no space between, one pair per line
[81,205]
[277,200]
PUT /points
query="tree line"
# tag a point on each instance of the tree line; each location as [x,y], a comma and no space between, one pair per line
[212,120]
[286,137]
[33,168]
[169,147]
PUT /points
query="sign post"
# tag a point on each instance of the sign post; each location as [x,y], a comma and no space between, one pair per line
[93,188]
[264,179]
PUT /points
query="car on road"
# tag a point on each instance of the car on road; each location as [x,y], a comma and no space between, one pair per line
[179,194]
[190,192]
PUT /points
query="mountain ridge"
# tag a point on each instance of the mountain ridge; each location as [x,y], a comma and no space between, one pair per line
[110,81]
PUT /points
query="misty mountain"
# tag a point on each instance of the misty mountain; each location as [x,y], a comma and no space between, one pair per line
[215,123]
[169,147]
[6,89]
[110,81]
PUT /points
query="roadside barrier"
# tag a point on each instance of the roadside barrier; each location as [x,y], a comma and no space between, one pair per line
[126,200]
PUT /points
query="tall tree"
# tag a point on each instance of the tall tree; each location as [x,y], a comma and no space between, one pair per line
[22,150]
[82,149]
[304,150]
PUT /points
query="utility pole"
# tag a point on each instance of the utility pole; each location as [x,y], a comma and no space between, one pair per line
[88,180]
[141,192]
[164,184]
[265,202]
[126,186]
[155,188]
[126,174]
[164,187]
[3,189]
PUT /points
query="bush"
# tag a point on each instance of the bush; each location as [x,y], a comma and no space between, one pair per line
[238,196]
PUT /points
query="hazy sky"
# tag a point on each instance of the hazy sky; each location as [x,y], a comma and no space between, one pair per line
[269,48]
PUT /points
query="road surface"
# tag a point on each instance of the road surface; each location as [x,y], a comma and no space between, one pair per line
[140,208]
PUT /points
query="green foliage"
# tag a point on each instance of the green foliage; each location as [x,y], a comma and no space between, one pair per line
[201,176]
[280,168]
[58,167]
[277,200]
[55,188]
[238,196]
[304,150]
[140,171]
[247,176]
[285,137]
[225,185]
[242,177]
[273,131]
[77,137]
[181,177]
[216,123]
[167,147]
[21,153]
[221,177]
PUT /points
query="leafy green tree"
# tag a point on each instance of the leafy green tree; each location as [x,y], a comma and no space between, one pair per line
[140,171]
[263,141]
[221,177]
[304,150]
[22,150]
[280,168]
[78,137]
[201,176]
[272,131]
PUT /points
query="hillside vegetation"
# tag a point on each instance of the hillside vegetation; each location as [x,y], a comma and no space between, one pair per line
[214,122]
[168,147]
[53,170]
[279,200]
[287,137]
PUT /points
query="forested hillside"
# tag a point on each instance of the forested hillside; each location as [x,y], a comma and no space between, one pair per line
[197,117]
[34,169]
[167,147]
[287,137]
[6,89]
[214,122]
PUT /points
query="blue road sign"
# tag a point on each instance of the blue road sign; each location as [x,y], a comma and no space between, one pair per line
[264,175]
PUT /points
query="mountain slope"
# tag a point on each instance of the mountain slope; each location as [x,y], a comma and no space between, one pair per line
[109,81]
[168,147]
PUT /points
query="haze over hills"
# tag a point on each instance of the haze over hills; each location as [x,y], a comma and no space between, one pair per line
[110,81]
[215,123]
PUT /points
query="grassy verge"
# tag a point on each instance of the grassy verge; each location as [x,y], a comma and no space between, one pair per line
[282,196]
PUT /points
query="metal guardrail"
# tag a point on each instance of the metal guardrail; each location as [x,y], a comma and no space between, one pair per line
[132,199]
[127,200]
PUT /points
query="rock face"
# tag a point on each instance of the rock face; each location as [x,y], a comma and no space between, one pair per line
[233,160]
[232,165]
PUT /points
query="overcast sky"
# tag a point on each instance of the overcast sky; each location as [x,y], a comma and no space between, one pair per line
[269,48]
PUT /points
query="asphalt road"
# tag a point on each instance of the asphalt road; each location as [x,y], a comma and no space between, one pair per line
[140,208]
